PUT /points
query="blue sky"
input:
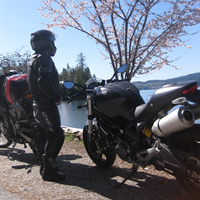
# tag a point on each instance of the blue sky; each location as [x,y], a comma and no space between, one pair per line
[19,18]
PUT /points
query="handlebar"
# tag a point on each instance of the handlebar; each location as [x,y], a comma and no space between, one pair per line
[75,96]
[90,89]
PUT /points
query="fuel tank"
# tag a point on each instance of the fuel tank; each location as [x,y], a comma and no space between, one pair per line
[117,99]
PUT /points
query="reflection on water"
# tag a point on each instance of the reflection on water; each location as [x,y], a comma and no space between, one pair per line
[71,116]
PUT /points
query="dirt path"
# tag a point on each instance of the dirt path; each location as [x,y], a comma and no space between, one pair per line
[20,176]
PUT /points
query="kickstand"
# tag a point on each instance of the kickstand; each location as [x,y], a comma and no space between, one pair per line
[11,150]
[133,170]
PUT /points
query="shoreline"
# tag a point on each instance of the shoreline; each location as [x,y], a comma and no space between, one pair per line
[71,129]
[76,132]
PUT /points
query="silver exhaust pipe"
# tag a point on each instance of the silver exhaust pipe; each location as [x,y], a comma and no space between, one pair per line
[177,120]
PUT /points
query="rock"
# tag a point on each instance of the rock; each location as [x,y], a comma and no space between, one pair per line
[77,133]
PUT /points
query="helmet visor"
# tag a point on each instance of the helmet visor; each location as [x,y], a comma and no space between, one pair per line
[51,38]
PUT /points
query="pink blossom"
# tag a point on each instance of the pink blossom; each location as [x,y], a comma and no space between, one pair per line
[139,33]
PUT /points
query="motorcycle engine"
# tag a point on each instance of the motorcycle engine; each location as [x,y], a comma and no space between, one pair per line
[125,152]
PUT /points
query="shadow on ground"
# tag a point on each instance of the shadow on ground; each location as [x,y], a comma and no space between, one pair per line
[141,186]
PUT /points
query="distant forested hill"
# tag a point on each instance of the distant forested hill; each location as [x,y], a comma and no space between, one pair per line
[155,84]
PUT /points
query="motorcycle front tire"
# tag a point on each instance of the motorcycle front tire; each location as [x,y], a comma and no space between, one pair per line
[104,158]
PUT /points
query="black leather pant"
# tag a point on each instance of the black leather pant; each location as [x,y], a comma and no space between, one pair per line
[50,134]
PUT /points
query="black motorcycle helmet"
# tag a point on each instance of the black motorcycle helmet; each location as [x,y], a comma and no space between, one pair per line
[43,40]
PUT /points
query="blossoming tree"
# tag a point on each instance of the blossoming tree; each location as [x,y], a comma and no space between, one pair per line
[139,33]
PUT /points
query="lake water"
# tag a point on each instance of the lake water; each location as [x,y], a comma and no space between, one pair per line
[73,117]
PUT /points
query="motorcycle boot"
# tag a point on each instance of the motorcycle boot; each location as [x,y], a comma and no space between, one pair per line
[54,144]
[41,141]
[40,163]
[40,156]
[48,172]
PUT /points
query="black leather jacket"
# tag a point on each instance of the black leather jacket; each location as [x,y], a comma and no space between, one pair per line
[43,79]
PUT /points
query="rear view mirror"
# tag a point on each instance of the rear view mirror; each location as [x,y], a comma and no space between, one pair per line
[4,65]
[68,84]
[122,68]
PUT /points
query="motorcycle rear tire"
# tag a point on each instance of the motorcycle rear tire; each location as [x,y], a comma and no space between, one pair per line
[103,159]
[191,189]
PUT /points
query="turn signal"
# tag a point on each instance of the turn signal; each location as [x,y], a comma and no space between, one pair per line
[28,96]
[190,90]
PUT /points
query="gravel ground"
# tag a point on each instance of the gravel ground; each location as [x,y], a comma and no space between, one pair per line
[20,178]
[5,195]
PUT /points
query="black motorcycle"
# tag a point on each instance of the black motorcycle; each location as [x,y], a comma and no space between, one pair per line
[17,124]
[162,132]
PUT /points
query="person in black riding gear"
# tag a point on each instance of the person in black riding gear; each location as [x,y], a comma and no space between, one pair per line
[43,82]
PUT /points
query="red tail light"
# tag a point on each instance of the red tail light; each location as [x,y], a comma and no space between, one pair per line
[190,90]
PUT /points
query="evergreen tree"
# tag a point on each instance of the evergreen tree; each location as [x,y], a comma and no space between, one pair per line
[65,75]
[80,74]
[70,74]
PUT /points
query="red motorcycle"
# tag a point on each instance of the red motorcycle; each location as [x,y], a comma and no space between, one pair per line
[16,120]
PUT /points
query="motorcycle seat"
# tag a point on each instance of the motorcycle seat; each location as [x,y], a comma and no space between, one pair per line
[161,99]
